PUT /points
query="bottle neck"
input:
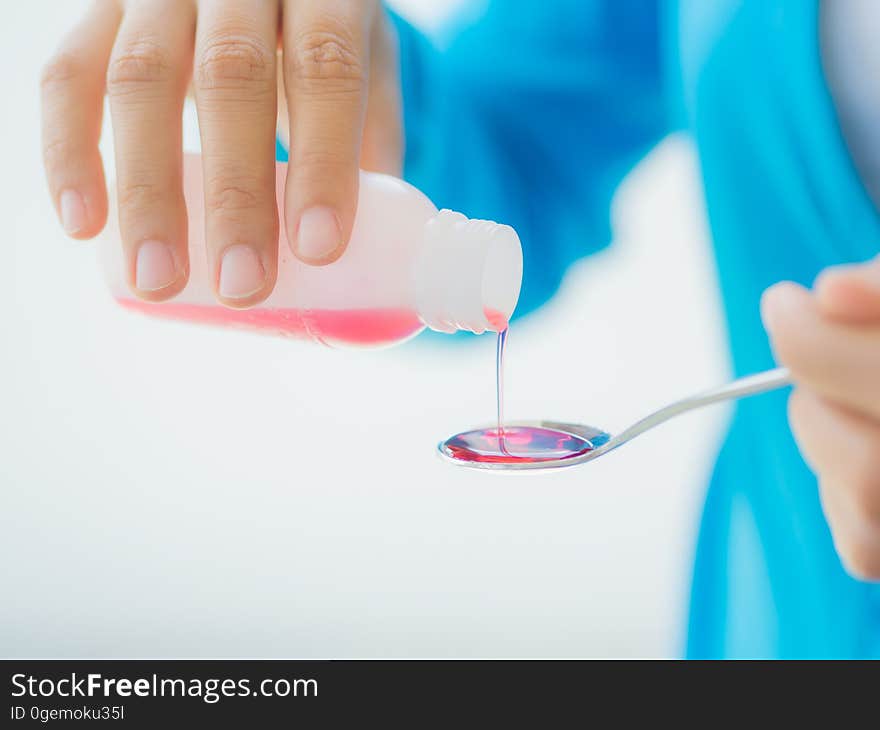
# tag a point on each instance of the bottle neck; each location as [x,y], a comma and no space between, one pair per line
[468,274]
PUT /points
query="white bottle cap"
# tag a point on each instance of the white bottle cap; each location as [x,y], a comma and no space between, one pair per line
[468,274]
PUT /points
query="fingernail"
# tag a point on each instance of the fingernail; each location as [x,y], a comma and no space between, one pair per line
[155,268]
[319,234]
[768,307]
[773,302]
[73,211]
[241,273]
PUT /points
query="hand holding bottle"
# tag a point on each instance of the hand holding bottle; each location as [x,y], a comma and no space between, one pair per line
[339,75]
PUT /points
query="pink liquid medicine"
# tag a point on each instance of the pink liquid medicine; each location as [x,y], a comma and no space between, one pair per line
[335,327]
[407,266]
[511,444]
[515,444]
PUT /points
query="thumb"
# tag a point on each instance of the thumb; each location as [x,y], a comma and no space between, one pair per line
[850,293]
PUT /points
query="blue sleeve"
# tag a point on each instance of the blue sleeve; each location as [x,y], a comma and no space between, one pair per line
[531,114]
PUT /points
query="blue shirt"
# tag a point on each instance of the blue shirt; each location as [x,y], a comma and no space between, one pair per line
[532,113]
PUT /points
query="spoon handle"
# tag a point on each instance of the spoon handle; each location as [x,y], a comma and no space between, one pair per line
[740,388]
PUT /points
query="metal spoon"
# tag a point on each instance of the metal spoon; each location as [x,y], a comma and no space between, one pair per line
[604,442]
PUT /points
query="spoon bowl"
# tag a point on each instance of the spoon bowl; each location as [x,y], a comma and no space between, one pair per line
[596,438]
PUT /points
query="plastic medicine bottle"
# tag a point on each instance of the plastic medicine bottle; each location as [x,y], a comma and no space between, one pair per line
[407,266]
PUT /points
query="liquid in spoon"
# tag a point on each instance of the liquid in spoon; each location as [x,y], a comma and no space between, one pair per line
[517,444]
[508,444]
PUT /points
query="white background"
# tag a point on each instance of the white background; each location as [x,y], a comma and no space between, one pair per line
[167,490]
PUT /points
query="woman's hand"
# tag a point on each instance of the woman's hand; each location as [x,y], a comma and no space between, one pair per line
[830,339]
[339,74]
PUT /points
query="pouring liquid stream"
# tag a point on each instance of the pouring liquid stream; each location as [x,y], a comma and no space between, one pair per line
[508,444]
[499,385]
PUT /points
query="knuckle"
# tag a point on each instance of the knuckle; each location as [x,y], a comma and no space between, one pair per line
[139,196]
[326,160]
[324,168]
[60,70]
[137,64]
[326,56]
[232,196]
[234,60]
[57,153]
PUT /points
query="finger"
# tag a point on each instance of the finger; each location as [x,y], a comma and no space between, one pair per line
[851,293]
[859,550]
[325,78]
[837,442]
[382,145]
[857,553]
[843,448]
[282,122]
[72,99]
[838,361]
[146,83]
[858,547]
[235,81]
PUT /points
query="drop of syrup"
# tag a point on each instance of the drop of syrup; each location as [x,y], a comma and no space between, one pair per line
[511,444]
